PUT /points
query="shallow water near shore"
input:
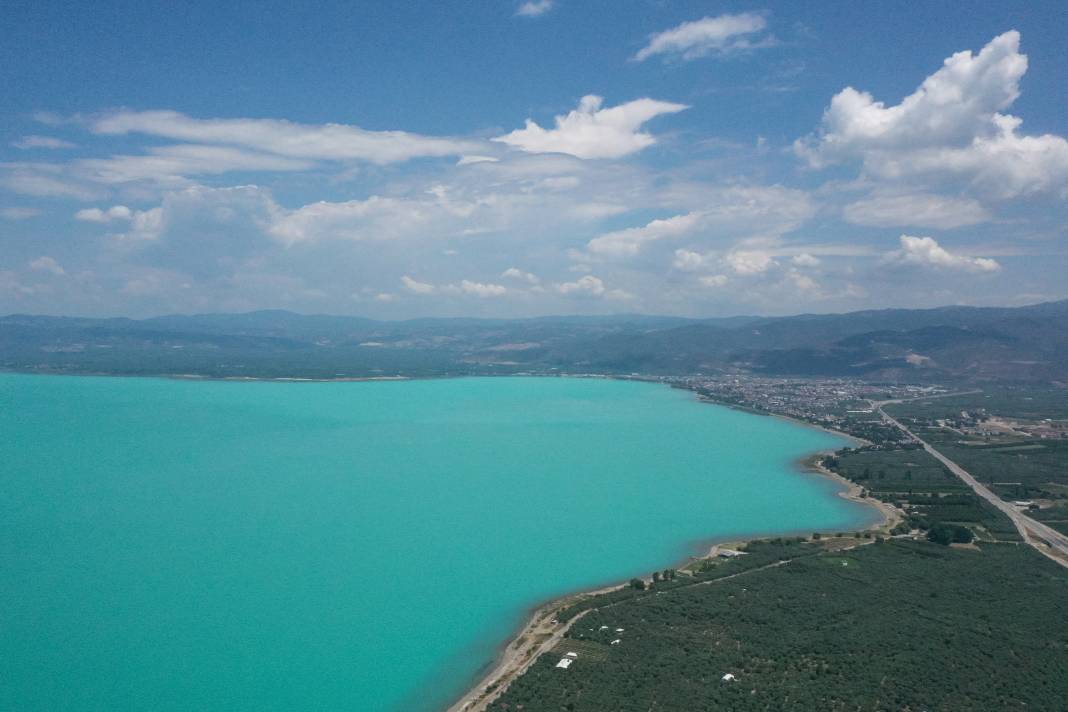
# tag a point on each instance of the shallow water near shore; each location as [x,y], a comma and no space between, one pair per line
[175,545]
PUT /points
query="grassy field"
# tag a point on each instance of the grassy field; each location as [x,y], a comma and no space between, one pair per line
[1055,516]
[1007,401]
[1013,473]
[1015,466]
[895,625]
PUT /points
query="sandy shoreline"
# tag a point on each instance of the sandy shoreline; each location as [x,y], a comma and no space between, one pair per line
[890,514]
[540,634]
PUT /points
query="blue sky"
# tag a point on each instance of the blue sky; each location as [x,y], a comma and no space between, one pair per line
[521,158]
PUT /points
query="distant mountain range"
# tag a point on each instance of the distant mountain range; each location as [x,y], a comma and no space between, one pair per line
[956,343]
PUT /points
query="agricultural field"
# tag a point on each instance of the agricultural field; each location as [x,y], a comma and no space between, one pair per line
[1015,471]
[928,493]
[1055,515]
[1013,440]
[1007,401]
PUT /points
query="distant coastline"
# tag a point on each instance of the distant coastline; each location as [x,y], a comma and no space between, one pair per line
[291,379]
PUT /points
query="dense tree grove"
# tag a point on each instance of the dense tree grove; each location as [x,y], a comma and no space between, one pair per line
[898,625]
[947,534]
[920,485]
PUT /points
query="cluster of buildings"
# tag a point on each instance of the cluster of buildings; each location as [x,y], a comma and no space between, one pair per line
[985,426]
[837,403]
[979,423]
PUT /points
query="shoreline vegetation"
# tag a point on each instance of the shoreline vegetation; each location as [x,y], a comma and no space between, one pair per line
[543,630]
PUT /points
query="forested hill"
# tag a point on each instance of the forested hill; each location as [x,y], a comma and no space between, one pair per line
[967,343]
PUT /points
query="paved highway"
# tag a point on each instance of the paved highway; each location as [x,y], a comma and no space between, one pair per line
[1047,540]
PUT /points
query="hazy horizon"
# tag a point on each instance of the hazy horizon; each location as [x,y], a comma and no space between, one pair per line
[604,315]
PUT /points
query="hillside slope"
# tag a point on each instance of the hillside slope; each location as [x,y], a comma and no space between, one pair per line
[1021,344]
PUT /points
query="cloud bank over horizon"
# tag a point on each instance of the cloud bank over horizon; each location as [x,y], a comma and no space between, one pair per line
[596,205]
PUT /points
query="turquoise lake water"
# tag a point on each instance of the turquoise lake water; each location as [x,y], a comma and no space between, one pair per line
[179,545]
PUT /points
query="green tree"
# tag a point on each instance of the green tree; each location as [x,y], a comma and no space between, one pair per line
[947,534]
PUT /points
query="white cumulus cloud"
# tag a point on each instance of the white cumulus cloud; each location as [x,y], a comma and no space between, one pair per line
[117,212]
[141,225]
[709,35]
[926,252]
[534,8]
[47,264]
[806,260]
[416,286]
[628,242]
[589,286]
[951,127]
[747,262]
[465,286]
[688,260]
[1004,165]
[520,275]
[591,131]
[481,289]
